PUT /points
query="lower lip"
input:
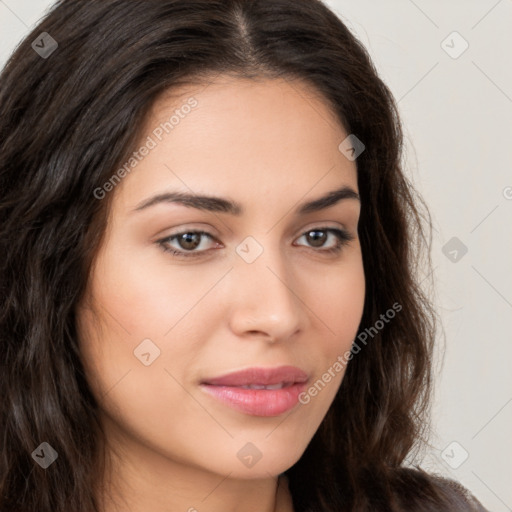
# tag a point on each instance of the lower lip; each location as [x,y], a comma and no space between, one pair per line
[258,402]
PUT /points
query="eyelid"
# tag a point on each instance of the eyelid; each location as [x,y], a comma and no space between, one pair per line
[192,227]
[343,237]
[213,233]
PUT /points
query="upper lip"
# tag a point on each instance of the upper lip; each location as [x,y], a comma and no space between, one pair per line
[260,376]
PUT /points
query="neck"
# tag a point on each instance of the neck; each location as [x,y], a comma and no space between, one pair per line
[139,480]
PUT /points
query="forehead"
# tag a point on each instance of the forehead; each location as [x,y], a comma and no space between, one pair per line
[241,136]
[243,108]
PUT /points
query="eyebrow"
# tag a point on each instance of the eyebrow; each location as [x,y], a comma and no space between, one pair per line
[222,205]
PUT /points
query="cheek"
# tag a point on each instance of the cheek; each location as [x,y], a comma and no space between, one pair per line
[342,310]
[144,400]
[148,297]
[338,307]
[124,343]
[339,303]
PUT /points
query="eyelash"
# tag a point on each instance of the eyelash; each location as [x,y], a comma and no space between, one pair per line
[343,238]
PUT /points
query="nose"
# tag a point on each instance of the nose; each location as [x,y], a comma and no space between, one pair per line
[264,299]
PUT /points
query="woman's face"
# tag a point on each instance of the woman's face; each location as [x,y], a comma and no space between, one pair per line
[258,290]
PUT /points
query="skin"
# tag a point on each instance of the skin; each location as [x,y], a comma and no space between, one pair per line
[269,145]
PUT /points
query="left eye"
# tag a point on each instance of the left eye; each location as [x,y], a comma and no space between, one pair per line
[189,241]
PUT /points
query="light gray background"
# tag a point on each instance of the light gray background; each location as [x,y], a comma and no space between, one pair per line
[457,115]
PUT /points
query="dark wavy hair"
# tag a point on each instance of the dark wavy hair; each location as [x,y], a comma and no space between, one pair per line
[69,120]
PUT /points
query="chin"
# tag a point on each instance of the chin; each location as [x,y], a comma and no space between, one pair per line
[270,462]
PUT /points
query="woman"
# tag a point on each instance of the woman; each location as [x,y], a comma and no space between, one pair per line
[208,283]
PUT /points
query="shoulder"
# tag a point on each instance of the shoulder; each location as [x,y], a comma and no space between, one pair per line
[434,488]
[461,495]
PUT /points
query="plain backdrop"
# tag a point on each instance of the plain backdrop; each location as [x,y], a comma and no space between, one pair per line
[449,65]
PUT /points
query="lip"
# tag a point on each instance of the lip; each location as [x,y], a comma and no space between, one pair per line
[260,376]
[258,402]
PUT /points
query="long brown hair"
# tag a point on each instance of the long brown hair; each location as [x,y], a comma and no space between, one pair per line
[67,123]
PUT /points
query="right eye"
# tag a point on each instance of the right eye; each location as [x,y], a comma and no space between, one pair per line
[188,241]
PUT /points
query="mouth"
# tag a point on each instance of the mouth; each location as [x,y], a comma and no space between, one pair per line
[277,376]
[280,385]
[259,391]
